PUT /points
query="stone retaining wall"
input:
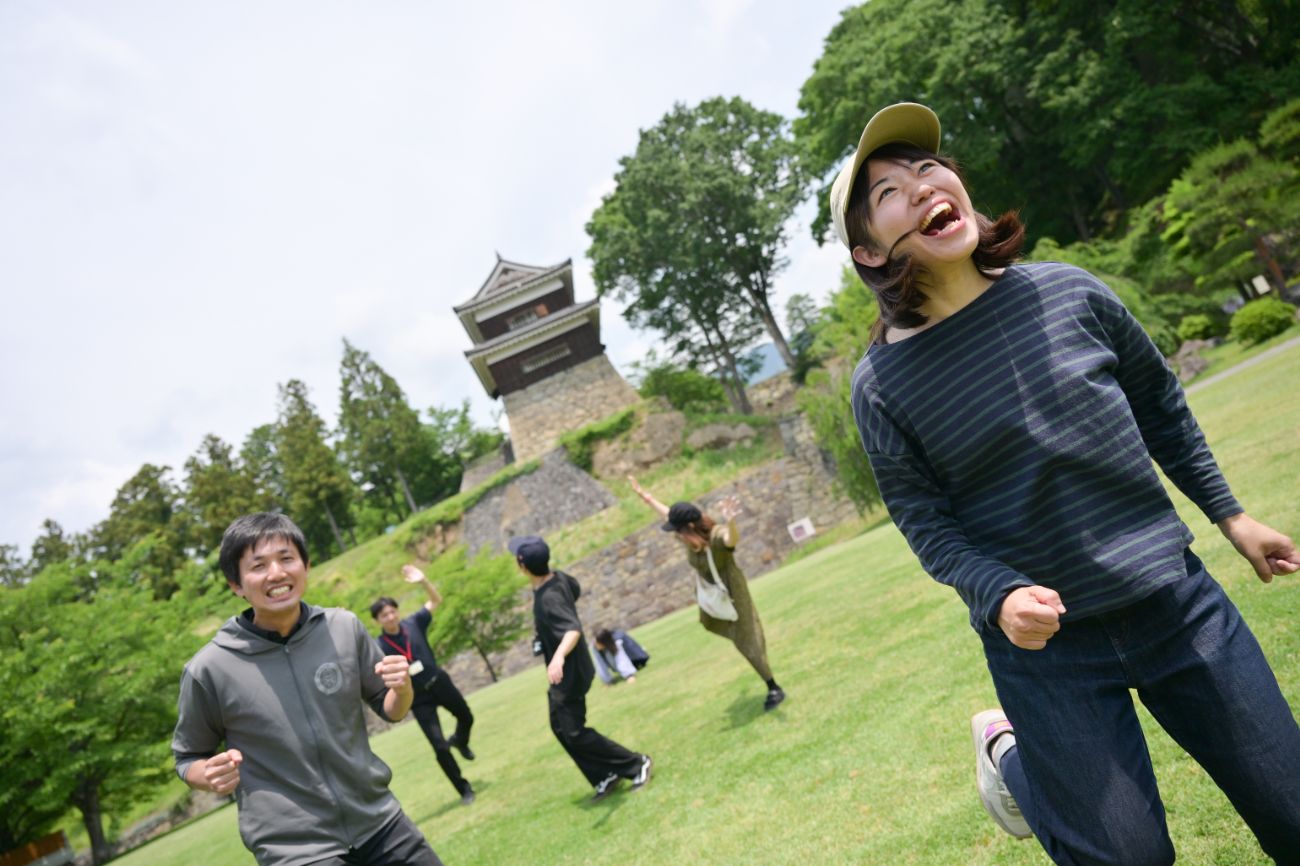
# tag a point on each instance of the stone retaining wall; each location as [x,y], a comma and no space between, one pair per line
[556,494]
[645,575]
[576,397]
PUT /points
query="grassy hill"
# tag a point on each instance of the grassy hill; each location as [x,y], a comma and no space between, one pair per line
[867,762]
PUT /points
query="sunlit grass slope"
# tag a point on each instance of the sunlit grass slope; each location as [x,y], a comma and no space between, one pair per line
[868,762]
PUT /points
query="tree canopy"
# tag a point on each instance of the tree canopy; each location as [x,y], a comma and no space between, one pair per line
[1071,111]
[692,236]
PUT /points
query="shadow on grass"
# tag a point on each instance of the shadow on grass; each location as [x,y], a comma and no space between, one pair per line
[451,805]
[744,709]
[606,807]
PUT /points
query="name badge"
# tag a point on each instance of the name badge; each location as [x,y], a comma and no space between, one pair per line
[416,667]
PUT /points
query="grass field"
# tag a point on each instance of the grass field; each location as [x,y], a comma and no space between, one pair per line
[868,762]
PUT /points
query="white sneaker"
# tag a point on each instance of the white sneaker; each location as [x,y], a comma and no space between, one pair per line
[643,773]
[993,737]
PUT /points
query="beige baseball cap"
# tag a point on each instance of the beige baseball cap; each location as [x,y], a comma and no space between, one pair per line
[905,121]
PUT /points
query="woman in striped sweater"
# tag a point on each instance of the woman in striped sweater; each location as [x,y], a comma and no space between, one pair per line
[1011,413]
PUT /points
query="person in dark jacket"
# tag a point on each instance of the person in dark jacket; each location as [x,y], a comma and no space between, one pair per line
[569,671]
[1013,414]
[270,711]
[433,685]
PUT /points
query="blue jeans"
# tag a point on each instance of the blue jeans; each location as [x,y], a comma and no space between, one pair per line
[1081,772]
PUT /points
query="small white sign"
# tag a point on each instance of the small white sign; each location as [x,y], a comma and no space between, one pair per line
[801,530]
[1261,284]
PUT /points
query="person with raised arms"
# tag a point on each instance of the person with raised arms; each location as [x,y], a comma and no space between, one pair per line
[433,685]
[721,588]
[270,711]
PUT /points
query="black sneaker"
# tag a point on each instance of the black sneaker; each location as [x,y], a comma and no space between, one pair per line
[605,787]
[463,748]
[643,774]
[467,795]
[774,697]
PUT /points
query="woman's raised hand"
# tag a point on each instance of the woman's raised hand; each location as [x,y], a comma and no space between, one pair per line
[730,507]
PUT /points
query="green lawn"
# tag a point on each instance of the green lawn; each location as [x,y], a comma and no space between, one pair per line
[868,762]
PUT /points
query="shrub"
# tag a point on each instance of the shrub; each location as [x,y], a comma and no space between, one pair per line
[1164,336]
[1261,319]
[578,443]
[1196,327]
[684,388]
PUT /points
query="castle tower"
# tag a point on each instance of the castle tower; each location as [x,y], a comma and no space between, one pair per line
[541,354]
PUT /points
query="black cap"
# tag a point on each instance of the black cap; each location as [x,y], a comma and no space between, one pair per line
[680,515]
[532,552]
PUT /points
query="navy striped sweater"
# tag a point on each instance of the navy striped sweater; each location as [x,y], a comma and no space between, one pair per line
[1013,445]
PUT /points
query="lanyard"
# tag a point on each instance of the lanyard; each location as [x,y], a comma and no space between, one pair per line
[406,651]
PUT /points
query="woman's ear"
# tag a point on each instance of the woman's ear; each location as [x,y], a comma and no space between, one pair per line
[868,257]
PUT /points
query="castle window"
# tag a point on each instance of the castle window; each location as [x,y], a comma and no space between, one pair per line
[523,317]
[550,356]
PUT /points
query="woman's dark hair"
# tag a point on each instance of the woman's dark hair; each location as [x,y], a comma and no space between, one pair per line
[250,531]
[605,639]
[897,284]
[380,603]
[701,528]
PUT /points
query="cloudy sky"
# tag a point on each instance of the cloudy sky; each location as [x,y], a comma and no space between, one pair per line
[200,200]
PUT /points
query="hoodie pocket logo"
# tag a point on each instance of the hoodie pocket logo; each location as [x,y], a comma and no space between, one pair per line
[329,679]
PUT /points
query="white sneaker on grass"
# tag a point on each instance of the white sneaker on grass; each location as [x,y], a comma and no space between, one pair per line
[993,737]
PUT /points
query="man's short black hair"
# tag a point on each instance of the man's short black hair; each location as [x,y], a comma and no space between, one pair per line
[605,639]
[249,531]
[380,603]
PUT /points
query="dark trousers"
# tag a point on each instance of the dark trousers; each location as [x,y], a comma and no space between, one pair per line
[398,843]
[596,756]
[442,692]
[1081,772]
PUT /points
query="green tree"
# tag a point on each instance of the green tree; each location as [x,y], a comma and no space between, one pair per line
[1074,111]
[13,570]
[85,722]
[53,546]
[259,457]
[316,487]
[842,334]
[217,489]
[482,606]
[684,388]
[458,436]
[1226,211]
[146,507]
[380,437]
[801,320]
[692,235]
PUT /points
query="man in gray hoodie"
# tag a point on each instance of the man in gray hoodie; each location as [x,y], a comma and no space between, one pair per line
[280,687]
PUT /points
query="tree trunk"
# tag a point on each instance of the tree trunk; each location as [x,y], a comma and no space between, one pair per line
[726,362]
[491,670]
[406,491]
[1270,264]
[86,799]
[334,527]
[758,300]
[774,331]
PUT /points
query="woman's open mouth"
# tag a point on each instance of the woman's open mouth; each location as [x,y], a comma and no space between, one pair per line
[939,219]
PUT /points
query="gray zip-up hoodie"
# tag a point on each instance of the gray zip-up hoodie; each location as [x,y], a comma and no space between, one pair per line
[309,786]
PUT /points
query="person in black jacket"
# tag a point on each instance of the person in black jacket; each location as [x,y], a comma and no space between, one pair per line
[433,686]
[569,670]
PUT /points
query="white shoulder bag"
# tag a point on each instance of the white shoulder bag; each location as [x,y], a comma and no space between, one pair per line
[713,598]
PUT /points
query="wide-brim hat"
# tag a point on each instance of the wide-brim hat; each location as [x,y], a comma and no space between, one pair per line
[906,121]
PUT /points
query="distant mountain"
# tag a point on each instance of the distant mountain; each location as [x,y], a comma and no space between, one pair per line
[770,362]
